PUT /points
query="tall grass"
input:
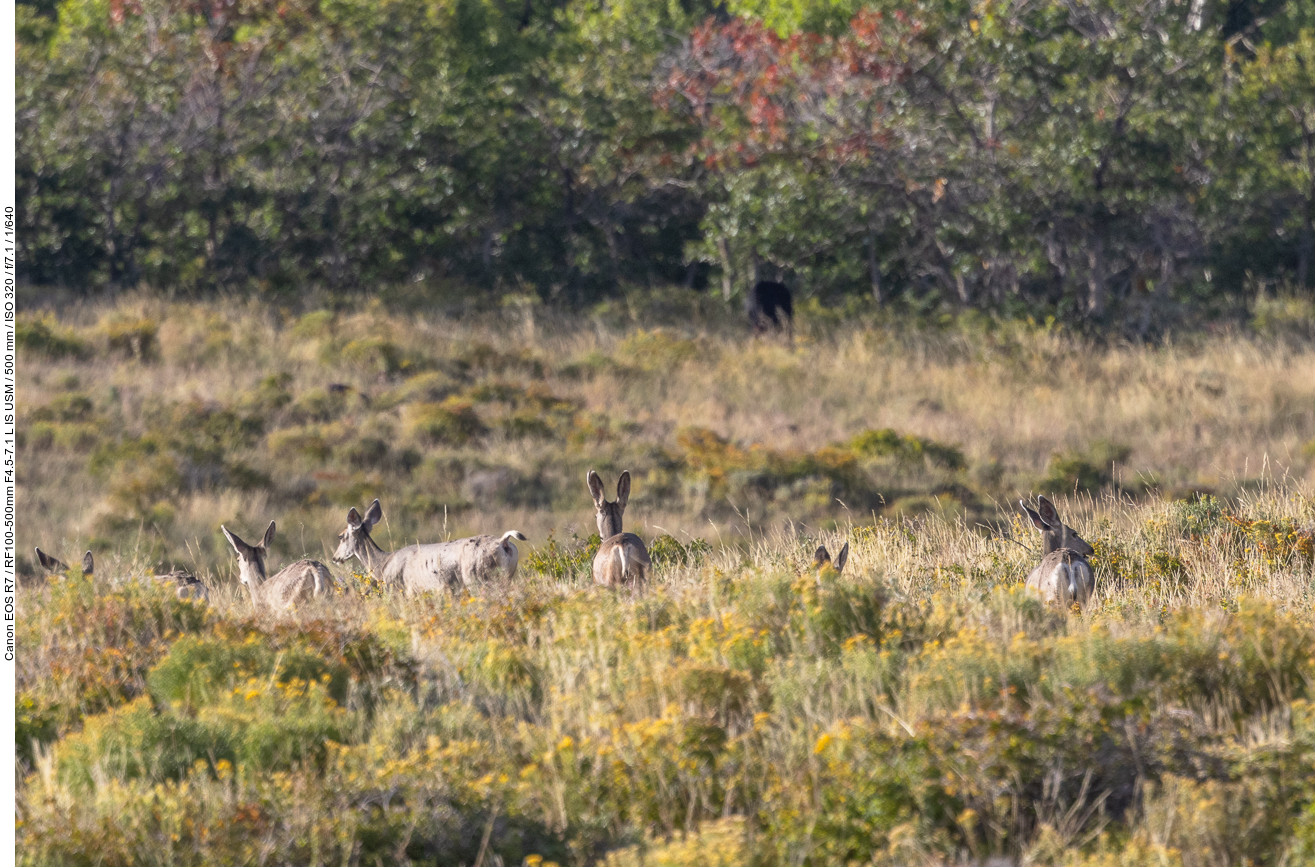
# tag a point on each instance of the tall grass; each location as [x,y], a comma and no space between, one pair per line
[921,708]
[145,424]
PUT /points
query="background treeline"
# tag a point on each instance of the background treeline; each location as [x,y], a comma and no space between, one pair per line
[1114,159]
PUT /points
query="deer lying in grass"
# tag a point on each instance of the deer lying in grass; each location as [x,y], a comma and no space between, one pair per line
[58,567]
[186,585]
[425,568]
[299,582]
[822,559]
[1064,576]
[621,557]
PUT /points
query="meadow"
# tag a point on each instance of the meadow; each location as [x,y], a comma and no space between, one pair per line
[918,708]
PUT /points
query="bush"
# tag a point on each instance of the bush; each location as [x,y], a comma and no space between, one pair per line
[667,552]
[133,338]
[299,442]
[906,448]
[44,336]
[452,422]
[571,561]
[1089,471]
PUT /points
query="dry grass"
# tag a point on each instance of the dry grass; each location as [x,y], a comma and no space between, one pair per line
[919,709]
[1218,415]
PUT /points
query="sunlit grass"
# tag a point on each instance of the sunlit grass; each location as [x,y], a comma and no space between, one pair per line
[919,708]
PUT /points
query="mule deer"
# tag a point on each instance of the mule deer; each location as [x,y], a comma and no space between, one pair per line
[186,585]
[423,568]
[1064,576]
[770,306]
[620,556]
[299,582]
[56,566]
[822,559]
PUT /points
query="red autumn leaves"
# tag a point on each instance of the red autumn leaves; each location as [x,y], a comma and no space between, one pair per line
[756,93]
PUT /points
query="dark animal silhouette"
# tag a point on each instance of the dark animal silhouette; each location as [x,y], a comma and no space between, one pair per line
[769,305]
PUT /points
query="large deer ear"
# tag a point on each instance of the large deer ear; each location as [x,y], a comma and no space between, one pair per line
[49,563]
[623,489]
[372,516]
[842,557]
[353,518]
[821,557]
[595,488]
[88,564]
[1036,519]
[1048,513]
[242,548]
[269,536]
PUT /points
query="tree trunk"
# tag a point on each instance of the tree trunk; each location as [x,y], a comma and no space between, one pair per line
[725,269]
[1095,279]
[872,266]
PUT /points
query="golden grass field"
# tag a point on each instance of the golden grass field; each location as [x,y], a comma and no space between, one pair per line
[919,708]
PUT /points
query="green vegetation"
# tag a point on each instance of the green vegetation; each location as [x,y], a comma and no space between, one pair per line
[919,708]
[1133,164]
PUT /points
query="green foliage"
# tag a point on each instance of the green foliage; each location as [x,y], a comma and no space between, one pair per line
[99,644]
[133,338]
[832,715]
[452,421]
[1084,471]
[907,448]
[570,561]
[46,337]
[667,551]
[199,671]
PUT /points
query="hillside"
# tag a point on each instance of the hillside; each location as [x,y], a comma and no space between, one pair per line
[918,708]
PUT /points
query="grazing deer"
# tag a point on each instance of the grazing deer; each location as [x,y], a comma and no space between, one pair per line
[621,556]
[55,566]
[770,306]
[424,568]
[186,585]
[1064,576]
[822,559]
[299,582]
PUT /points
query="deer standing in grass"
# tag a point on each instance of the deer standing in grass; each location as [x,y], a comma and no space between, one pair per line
[621,557]
[56,566]
[299,582]
[425,568]
[1064,576]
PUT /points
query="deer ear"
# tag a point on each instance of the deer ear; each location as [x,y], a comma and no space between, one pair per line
[49,563]
[1048,513]
[88,564]
[595,488]
[1036,519]
[242,548]
[353,518]
[372,515]
[623,489]
[269,536]
[821,557]
[842,557]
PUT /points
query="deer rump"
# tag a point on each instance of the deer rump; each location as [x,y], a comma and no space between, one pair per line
[1063,578]
[769,302]
[451,565]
